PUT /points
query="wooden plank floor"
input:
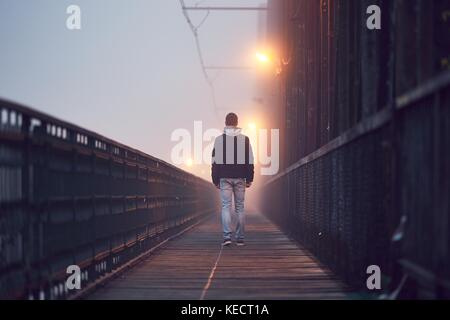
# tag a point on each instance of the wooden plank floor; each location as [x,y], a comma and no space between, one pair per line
[192,266]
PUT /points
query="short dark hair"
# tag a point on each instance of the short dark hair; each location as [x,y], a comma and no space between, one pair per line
[231,119]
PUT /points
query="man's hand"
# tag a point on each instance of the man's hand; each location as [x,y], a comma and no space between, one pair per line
[248,184]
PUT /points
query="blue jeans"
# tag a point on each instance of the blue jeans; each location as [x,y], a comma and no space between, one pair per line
[228,187]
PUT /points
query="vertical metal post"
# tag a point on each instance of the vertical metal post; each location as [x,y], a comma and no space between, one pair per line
[27,198]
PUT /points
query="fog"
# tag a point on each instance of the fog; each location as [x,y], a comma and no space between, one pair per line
[132,72]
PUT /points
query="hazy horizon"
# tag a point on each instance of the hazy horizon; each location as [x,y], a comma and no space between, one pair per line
[132,72]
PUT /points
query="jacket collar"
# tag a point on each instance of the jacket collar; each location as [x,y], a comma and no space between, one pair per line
[232,131]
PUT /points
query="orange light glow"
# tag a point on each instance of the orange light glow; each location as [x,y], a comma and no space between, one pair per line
[262,57]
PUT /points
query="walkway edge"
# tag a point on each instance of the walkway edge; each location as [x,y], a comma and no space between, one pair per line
[111,276]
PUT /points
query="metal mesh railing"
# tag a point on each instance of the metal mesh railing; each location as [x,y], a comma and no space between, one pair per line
[423,192]
[71,197]
[335,205]
[367,174]
[344,201]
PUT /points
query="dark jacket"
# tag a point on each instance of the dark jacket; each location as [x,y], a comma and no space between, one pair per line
[232,156]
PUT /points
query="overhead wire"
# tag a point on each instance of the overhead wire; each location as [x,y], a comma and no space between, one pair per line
[194,30]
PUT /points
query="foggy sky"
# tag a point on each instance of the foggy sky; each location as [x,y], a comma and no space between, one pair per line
[132,72]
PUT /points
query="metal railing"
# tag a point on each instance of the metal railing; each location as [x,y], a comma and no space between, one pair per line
[345,200]
[367,174]
[69,196]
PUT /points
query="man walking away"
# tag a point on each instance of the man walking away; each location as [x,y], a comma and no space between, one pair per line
[232,172]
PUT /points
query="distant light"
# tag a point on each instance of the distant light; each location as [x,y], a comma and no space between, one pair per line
[262,57]
[252,125]
[189,162]
[278,71]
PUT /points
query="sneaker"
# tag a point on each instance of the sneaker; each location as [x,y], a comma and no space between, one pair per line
[226,242]
[240,242]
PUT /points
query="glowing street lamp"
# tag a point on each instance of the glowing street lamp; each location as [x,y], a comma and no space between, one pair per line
[269,61]
[262,57]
